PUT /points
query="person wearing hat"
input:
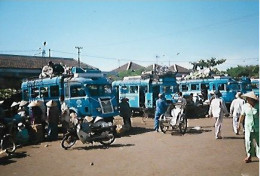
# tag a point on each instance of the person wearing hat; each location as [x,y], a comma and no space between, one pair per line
[53,114]
[23,110]
[35,112]
[235,110]
[160,108]
[125,112]
[250,113]
[217,109]
[14,112]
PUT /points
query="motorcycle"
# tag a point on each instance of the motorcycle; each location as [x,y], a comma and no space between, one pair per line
[177,120]
[88,131]
[7,143]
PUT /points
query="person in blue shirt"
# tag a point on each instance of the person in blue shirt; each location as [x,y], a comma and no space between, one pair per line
[161,107]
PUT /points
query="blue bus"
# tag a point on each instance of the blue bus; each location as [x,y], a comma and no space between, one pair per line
[142,92]
[245,85]
[86,92]
[206,87]
[255,86]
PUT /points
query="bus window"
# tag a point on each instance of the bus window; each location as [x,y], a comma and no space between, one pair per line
[214,87]
[124,89]
[167,89]
[174,89]
[194,87]
[221,87]
[233,86]
[26,95]
[99,90]
[133,89]
[77,91]
[107,89]
[255,85]
[44,92]
[54,91]
[184,88]
[35,92]
[67,94]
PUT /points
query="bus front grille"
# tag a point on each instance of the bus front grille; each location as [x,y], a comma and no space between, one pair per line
[106,105]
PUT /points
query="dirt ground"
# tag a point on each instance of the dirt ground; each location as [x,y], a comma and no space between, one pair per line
[140,152]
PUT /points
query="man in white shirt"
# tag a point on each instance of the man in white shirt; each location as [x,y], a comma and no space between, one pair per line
[217,110]
[235,110]
[65,115]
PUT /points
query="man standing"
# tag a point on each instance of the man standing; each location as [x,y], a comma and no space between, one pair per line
[125,112]
[53,114]
[161,107]
[217,110]
[65,115]
[235,110]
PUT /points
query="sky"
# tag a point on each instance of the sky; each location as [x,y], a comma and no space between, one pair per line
[113,33]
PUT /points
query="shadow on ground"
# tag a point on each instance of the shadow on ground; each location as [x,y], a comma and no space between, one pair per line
[190,131]
[94,147]
[136,131]
[9,159]
[233,137]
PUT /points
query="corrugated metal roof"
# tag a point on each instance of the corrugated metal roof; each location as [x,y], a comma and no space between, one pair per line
[35,62]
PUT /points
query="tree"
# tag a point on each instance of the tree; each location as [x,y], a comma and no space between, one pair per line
[209,63]
[248,71]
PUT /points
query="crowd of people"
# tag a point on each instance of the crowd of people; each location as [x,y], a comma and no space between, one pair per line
[44,118]
[245,112]
[35,121]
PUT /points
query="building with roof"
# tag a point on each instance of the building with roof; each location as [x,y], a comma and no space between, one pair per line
[15,68]
[179,70]
[128,66]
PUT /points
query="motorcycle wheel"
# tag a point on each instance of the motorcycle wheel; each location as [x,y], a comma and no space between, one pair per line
[68,141]
[8,145]
[163,127]
[110,141]
[183,124]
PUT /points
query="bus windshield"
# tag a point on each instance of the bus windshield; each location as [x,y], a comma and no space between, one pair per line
[233,86]
[99,90]
[170,89]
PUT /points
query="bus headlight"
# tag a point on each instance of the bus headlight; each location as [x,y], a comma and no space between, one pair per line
[115,108]
[99,109]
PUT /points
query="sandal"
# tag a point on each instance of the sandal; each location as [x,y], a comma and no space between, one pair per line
[248,159]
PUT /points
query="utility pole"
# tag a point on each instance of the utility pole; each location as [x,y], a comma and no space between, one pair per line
[79,48]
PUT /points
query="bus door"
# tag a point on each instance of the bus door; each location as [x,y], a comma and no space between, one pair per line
[149,100]
[133,96]
[142,92]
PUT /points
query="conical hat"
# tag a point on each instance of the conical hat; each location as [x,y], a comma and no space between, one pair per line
[89,118]
[250,95]
[14,104]
[98,119]
[33,104]
[23,103]
[51,103]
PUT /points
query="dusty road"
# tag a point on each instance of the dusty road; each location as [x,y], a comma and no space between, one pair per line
[142,152]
